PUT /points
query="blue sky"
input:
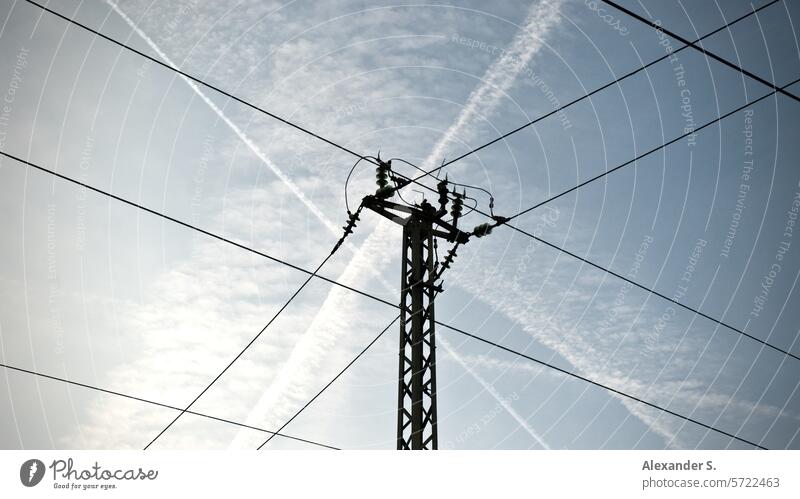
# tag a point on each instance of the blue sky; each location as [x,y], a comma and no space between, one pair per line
[100,293]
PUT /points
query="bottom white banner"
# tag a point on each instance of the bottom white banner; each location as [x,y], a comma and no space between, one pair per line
[397,474]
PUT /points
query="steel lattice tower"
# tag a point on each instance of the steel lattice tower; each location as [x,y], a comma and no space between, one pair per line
[416,392]
[423,225]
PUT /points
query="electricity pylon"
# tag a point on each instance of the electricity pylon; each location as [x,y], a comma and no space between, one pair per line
[423,225]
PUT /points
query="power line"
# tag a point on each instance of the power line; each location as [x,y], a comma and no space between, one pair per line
[632,161]
[167,217]
[599,89]
[283,262]
[527,357]
[198,80]
[217,89]
[313,274]
[275,316]
[355,290]
[651,151]
[197,229]
[331,381]
[359,156]
[605,387]
[188,225]
[358,356]
[660,295]
[563,250]
[367,158]
[712,55]
[159,404]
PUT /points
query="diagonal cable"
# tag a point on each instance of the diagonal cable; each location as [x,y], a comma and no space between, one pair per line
[603,386]
[434,277]
[349,288]
[199,81]
[188,225]
[700,49]
[627,163]
[438,276]
[593,92]
[638,285]
[217,89]
[362,352]
[349,151]
[314,274]
[414,180]
[159,404]
[532,359]
[656,293]
[651,151]
[275,316]
[632,161]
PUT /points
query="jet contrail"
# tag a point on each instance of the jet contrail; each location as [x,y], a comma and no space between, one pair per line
[332,227]
[491,389]
[502,73]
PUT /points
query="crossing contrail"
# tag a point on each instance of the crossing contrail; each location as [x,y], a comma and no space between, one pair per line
[296,379]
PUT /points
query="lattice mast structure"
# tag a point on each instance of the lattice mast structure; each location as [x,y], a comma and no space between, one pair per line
[423,225]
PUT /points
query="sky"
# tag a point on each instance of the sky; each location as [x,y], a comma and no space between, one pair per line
[101,293]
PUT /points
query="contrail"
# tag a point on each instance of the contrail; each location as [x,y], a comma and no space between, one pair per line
[250,144]
[502,73]
[296,377]
[491,389]
[332,227]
